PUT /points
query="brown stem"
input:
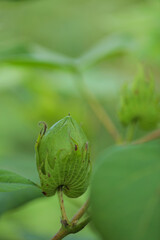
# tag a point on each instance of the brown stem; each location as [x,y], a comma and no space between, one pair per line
[98,109]
[73,226]
[81,212]
[65,220]
[81,225]
[151,136]
[60,234]
[70,229]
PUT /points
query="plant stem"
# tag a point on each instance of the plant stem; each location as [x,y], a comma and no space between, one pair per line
[65,220]
[97,108]
[70,229]
[81,212]
[73,226]
[60,234]
[151,136]
[80,226]
[130,132]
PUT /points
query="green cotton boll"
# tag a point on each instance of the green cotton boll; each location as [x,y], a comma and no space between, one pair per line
[63,159]
[140,104]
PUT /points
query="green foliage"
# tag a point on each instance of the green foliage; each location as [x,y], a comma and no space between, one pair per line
[23,166]
[10,181]
[38,56]
[16,199]
[125,192]
[140,103]
[26,220]
[43,44]
[104,49]
[63,159]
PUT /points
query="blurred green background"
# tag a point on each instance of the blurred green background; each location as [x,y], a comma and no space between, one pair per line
[40,43]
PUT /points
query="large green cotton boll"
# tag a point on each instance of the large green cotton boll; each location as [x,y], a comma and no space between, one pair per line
[63,158]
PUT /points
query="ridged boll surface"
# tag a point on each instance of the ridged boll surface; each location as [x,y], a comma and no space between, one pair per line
[63,159]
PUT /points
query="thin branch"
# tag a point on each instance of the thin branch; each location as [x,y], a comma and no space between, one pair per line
[61,234]
[97,108]
[150,137]
[73,226]
[81,225]
[81,212]
[65,220]
[70,229]
[104,118]
[130,132]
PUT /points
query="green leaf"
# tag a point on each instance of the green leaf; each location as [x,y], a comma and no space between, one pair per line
[36,56]
[10,181]
[104,49]
[125,193]
[23,165]
[15,199]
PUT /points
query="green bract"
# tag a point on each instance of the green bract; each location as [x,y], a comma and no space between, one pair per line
[140,104]
[63,158]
